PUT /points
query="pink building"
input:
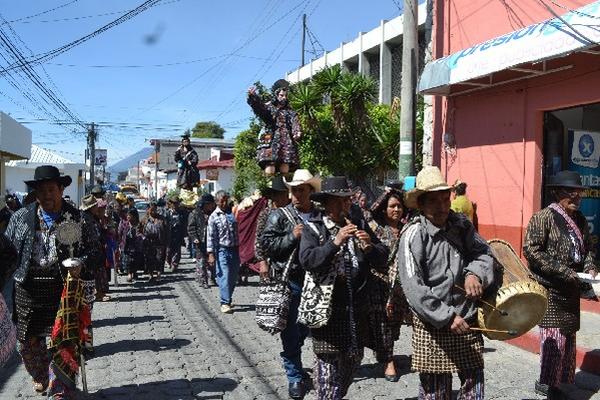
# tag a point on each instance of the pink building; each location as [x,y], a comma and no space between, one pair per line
[515,86]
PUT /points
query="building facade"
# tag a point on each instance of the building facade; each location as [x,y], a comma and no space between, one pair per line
[516,99]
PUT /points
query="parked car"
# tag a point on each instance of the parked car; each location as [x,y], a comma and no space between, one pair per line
[142,206]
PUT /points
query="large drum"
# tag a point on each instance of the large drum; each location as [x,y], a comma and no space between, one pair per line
[522,301]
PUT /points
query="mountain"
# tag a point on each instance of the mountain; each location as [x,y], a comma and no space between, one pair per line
[130,161]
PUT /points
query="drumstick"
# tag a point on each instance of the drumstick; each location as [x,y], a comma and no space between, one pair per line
[502,312]
[509,332]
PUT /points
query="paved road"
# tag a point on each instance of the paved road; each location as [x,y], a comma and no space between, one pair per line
[170,341]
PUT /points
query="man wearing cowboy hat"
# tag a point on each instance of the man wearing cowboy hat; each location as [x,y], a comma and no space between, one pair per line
[557,246]
[439,252]
[197,235]
[280,237]
[35,231]
[333,246]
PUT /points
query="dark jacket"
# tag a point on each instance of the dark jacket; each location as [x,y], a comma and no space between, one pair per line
[196,228]
[21,232]
[549,253]
[278,241]
[317,255]
[177,227]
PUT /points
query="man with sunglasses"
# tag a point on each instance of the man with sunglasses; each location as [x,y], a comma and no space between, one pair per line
[557,246]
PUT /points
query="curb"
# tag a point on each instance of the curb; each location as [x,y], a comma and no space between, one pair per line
[586,360]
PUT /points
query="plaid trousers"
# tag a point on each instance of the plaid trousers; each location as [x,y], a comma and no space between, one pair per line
[557,357]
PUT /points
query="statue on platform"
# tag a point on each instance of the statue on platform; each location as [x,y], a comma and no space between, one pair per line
[187,164]
[277,149]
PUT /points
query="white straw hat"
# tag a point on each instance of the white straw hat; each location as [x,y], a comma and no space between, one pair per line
[304,177]
[429,179]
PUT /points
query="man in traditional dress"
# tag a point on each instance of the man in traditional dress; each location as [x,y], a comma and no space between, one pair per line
[37,232]
[557,246]
[187,164]
[279,239]
[338,253]
[12,205]
[444,266]
[222,248]
[277,149]
[197,224]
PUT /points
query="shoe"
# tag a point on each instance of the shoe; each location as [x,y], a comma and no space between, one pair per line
[226,309]
[296,390]
[391,378]
[555,393]
[205,285]
[541,388]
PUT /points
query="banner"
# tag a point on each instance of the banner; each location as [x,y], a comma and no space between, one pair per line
[585,160]
[100,157]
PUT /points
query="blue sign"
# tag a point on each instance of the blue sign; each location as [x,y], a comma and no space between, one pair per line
[584,161]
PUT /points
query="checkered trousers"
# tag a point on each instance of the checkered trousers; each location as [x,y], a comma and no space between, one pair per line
[439,351]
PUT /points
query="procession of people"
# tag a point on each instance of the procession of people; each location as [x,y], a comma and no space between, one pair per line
[347,275]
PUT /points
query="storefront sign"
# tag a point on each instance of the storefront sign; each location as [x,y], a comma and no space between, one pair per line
[545,40]
[585,157]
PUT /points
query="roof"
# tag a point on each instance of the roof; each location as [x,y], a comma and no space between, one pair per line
[209,164]
[197,141]
[39,155]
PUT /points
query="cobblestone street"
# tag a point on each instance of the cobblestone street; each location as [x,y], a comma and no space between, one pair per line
[170,341]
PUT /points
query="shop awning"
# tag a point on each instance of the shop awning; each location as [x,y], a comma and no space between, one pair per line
[516,55]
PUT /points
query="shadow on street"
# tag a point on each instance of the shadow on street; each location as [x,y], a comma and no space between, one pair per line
[107,349]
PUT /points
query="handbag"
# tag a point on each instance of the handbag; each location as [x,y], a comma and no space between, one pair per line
[273,304]
[8,333]
[315,302]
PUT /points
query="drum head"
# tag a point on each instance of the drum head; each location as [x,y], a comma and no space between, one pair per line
[525,302]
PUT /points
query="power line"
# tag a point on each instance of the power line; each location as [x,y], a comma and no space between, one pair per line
[561,19]
[41,13]
[56,52]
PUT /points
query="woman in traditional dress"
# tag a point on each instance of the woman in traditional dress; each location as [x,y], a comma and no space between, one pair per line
[187,164]
[133,246]
[156,238]
[388,306]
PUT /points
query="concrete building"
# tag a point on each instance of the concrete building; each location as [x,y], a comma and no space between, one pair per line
[377,53]
[15,144]
[18,171]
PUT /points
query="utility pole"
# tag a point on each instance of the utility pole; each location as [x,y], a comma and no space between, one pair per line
[410,57]
[91,139]
[303,37]
[156,151]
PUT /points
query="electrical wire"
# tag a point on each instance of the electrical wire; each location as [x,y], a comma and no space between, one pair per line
[64,48]
[40,13]
[584,38]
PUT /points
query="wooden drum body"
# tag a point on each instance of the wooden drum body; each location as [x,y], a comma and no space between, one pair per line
[522,298]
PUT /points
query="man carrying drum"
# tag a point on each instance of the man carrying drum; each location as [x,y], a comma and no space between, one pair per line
[443,266]
[557,246]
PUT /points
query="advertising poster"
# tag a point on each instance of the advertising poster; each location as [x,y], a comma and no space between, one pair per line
[584,158]
[100,157]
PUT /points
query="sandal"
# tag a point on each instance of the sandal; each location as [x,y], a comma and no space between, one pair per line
[39,387]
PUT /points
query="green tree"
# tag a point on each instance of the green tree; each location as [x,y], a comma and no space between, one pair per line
[208,129]
[340,116]
[248,175]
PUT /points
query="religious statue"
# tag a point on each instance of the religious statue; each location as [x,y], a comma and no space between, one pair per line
[277,149]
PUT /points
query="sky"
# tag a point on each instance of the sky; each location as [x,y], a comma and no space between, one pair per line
[158,73]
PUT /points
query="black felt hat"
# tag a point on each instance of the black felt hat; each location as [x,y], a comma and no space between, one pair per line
[277,185]
[206,198]
[185,136]
[566,179]
[98,190]
[46,173]
[333,186]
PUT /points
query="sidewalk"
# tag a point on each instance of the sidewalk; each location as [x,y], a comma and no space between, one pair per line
[588,339]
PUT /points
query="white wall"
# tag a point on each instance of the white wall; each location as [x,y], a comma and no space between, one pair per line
[16,177]
[225,181]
